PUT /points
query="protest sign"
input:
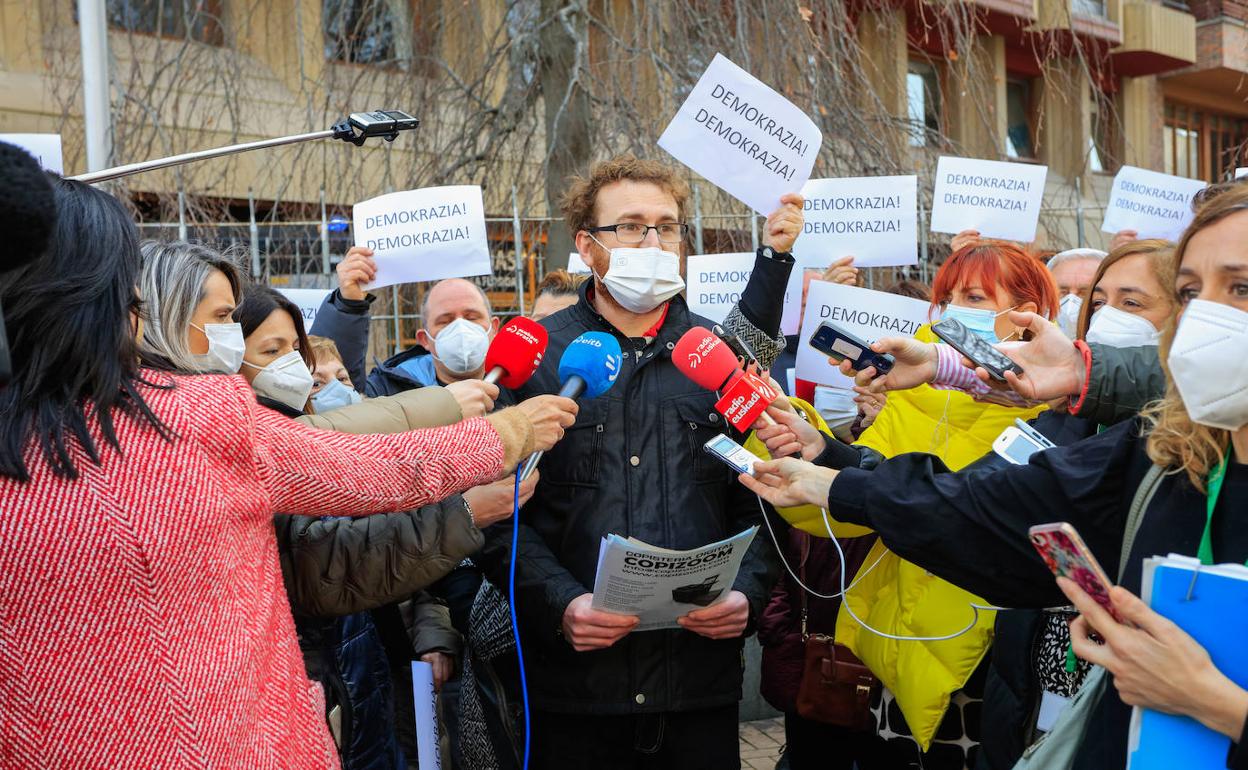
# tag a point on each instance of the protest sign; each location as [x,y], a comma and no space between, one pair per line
[308,300]
[659,585]
[45,147]
[715,282]
[1154,205]
[576,264]
[425,702]
[867,314]
[743,137]
[1000,200]
[424,235]
[872,218]
[1240,173]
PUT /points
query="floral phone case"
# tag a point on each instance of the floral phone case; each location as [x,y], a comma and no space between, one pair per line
[1068,556]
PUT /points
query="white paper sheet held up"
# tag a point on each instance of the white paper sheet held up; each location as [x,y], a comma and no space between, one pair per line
[1000,200]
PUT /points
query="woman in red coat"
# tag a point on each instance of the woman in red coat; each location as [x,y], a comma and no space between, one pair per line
[143,621]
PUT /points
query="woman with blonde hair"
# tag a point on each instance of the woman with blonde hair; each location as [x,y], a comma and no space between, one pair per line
[1183,463]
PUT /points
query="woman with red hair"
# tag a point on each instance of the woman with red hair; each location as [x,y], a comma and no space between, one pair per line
[928,711]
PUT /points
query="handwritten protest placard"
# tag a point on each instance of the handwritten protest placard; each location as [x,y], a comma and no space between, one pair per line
[576,264]
[872,218]
[425,702]
[1000,200]
[45,147]
[424,235]
[867,314]
[309,302]
[715,282]
[743,137]
[1154,205]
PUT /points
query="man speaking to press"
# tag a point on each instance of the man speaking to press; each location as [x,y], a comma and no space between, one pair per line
[633,465]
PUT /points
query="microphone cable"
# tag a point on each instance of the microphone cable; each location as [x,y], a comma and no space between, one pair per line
[827,525]
[515,623]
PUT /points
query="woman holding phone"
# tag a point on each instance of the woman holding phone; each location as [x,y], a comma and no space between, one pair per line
[973,530]
[922,717]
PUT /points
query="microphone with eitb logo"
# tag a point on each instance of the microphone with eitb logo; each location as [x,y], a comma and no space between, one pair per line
[588,368]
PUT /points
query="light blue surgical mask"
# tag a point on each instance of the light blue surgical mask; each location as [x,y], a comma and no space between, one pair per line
[981,322]
[333,396]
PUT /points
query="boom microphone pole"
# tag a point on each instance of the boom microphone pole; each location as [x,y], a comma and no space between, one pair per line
[354,129]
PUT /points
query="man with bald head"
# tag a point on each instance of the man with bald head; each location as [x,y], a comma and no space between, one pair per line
[458,326]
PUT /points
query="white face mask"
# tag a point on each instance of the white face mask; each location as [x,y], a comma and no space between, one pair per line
[1208,364]
[837,407]
[1120,329]
[1068,314]
[225,348]
[642,279]
[461,346]
[285,380]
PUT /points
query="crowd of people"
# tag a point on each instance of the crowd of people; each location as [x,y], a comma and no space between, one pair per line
[205,570]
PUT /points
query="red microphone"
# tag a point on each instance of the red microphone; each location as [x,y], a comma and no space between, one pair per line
[704,358]
[516,352]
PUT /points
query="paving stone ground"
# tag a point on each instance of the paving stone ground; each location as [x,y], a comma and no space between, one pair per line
[761,743]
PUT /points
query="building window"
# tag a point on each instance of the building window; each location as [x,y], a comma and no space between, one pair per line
[1103,143]
[361,31]
[197,19]
[923,103]
[1018,114]
[1200,144]
[1095,8]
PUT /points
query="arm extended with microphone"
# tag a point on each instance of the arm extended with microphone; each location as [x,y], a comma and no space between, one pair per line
[354,129]
[589,367]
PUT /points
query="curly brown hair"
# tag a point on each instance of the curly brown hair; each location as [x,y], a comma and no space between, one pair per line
[561,283]
[579,202]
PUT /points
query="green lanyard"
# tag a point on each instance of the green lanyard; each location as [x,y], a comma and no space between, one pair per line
[1214,485]
[1205,553]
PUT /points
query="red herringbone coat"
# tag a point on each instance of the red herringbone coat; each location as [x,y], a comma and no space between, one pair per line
[143,622]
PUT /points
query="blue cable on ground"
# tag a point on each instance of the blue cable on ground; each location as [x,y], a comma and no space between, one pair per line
[511,602]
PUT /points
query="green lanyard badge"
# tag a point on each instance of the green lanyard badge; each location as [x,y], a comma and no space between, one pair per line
[1214,485]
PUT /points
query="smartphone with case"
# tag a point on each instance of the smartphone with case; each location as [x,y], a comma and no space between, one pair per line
[955,334]
[839,345]
[1068,556]
[732,454]
[1019,442]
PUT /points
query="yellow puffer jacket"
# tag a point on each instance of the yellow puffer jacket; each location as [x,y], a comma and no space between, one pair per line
[897,597]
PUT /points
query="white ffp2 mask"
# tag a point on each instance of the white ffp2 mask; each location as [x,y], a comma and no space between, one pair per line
[642,279]
[461,346]
[225,348]
[1208,364]
[286,380]
[1068,314]
[1120,329]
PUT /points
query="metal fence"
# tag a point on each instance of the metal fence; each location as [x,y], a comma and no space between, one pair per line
[304,254]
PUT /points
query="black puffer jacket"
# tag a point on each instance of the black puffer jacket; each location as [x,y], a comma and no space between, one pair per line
[632,465]
[337,566]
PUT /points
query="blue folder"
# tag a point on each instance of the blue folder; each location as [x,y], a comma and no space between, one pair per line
[1216,616]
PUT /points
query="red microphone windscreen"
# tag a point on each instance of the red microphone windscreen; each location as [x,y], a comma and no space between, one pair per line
[704,358]
[517,349]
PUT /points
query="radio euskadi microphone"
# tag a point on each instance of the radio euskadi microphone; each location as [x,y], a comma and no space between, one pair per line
[515,353]
[704,358]
[589,367]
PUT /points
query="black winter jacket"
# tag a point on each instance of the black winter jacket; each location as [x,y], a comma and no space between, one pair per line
[337,566]
[632,465]
[972,531]
[345,321]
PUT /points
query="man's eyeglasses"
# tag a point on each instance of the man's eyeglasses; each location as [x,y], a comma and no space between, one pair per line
[635,232]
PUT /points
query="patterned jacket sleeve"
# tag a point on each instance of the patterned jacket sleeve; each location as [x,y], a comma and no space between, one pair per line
[321,473]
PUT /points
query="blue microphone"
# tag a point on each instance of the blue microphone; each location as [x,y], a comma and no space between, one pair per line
[589,367]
